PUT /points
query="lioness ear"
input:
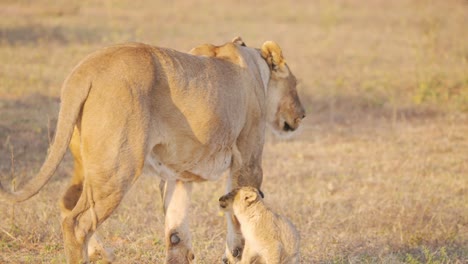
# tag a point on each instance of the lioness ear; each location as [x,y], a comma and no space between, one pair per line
[273,55]
[249,197]
[238,40]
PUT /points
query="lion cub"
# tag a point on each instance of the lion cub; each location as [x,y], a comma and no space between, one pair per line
[269,237]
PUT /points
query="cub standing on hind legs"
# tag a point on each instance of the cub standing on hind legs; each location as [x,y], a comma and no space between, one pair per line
[269,237]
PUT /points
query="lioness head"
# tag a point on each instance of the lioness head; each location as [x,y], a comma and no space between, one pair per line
[243,196]
[284,109]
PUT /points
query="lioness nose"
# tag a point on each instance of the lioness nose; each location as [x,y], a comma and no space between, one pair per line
[301,112]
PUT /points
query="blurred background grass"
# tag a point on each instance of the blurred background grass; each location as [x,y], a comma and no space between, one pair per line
[378,175]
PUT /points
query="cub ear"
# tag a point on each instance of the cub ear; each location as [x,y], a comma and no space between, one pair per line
[249,196]
[223,202]
[273,55]
[238,40]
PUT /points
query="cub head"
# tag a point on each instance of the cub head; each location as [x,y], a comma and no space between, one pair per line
[284,109]
[238,40]
[210,50]
[227,52]
[243,196]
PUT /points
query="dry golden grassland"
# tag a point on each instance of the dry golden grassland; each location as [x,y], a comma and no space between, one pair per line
[378,174]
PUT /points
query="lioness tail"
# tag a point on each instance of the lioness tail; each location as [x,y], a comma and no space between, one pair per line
[73,97]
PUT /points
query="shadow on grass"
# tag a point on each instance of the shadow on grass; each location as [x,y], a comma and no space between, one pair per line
[27,125]
[36,33]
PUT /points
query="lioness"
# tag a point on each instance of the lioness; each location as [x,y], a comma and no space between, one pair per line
[134,108]
[269,237]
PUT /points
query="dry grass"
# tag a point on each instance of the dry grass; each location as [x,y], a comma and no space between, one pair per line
[379,173]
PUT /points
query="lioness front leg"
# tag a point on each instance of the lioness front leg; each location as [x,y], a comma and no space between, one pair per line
[234,241]
[241,175]
[176,198]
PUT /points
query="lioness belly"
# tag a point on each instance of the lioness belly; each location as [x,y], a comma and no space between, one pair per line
[201,168]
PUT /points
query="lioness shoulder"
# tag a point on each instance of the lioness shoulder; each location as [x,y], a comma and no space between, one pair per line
[268,236]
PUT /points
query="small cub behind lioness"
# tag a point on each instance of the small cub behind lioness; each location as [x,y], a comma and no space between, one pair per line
[269,237]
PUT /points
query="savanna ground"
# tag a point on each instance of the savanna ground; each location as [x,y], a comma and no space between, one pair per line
[378,174]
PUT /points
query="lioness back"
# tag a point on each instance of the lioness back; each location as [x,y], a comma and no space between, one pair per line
[197,105]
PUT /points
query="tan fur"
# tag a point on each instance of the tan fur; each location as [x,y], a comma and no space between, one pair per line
[132,109]
[269,237]
[238,41]
[283,114]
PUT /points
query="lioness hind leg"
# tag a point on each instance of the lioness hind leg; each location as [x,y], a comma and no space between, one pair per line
[73,193]
[96,203]
[70,199]
[96,249]
[95,246]
[176,198]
